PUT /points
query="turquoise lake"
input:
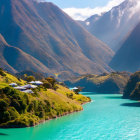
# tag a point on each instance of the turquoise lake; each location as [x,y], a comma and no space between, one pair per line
[107,117]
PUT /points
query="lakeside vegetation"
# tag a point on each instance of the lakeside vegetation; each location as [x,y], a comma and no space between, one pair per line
[51,100]
[132,89]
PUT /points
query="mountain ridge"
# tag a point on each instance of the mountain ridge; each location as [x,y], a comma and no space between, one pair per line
[127,57]
[46,33]
[14,59]
[113,26]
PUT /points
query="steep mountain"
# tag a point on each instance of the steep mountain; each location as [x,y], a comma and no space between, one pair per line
[46,33]
[114,26]
[105,83]
[128,56]
[14,59]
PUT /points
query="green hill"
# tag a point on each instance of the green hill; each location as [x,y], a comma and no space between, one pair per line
[105,83]
[6,79]
[19,109]
[132,89]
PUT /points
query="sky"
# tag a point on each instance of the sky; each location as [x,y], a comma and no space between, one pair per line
[82,9]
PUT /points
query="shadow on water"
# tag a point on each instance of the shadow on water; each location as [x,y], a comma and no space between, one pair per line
[114,97]
[3,134]
[137,104]
[88,93]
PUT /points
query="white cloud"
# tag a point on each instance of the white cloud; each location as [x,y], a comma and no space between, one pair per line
[135,9]
[84,13]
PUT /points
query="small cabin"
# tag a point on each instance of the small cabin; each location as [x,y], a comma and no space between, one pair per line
[13,84]
[73,89]
[28,91]
[21,88]
[38,83]
[30,86]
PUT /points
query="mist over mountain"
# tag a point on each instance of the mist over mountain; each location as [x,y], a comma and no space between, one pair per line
[52,38]
[114,26]
[128,56]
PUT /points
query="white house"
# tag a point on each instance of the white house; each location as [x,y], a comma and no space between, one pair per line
[30,86]
[13,84]
[21,88]
[75,88]
[36,83]
[28,91]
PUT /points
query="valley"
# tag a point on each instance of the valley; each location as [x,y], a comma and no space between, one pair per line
[66,79]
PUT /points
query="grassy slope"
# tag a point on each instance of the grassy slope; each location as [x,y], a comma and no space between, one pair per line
[78,98]
[38,107]
[6,80]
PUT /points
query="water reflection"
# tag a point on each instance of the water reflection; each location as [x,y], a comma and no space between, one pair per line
[137,104]
[3,134]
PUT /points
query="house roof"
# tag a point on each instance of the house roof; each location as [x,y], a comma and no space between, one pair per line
[73,88]
[20,88]
[30,86]
[28,91]
[13,84]
[36,82]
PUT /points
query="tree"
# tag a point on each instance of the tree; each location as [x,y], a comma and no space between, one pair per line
[2,72]
[6,116]
[3,105]
[46,84]
[70,95]
[79,89]
[51,80]
[30,78]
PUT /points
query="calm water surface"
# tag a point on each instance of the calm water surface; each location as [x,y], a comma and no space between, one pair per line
[108,117]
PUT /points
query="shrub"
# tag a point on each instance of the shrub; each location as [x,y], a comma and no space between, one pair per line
[3,105]
[15,104]
[31,107]
[30,78]
[46,84]
[7,90]
[77,90]
[50,83]
[2,73]
[55,87]
[7,116]
[70,95]
[51,80]
[13,113]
